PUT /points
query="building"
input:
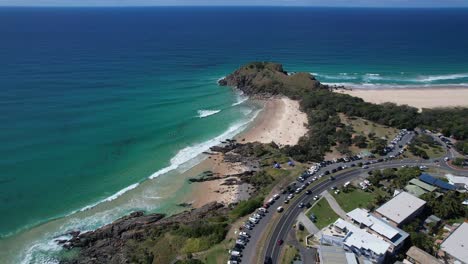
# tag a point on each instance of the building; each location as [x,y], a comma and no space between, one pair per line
[459,182]
[444,186]
[417,187]
[401,209]
[356,240]
[430,222]
[418,256]
[456,245]
[376,226]
[335,255]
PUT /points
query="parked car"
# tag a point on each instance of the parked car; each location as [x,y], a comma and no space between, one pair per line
[280,209]
[316,197]
[301,205]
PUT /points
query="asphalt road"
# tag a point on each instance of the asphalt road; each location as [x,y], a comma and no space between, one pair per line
[289,216]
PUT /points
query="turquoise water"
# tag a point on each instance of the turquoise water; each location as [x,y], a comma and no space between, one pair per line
[95,101]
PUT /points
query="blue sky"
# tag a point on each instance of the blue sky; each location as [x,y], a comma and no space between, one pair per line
[337,3]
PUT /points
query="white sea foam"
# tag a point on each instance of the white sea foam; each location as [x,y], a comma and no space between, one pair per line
[240,99]
[392,85]
[112,197]
[217,81]
[341,76]
[431,78]
[41,251]
[205,113]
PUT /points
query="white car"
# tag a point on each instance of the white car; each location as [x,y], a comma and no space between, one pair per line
[244,234]
[261,209]
[253,220]
[316,197]
[276,196]
[241,242]
[280,209]
[257,216]
[337,191]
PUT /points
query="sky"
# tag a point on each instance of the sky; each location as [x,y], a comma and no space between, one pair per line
[332,3]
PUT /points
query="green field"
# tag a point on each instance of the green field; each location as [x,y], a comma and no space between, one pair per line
[354,199]
[324,214]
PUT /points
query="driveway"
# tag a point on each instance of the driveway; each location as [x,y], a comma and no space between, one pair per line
[334,204]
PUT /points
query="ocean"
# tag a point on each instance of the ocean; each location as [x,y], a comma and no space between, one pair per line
[104,109]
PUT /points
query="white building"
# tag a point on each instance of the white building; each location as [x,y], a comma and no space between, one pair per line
[358,241]
[401,208]
[456,245]
[459,181]
[393,235]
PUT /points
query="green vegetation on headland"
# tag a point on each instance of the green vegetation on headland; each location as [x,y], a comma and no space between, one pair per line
[322,107]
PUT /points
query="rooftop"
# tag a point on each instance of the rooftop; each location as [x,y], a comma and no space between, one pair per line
[415,190]
[359,238]
[457,179]
[395,235]
[332,255]
[436,182]
[400,207]
[421,256]
[422,185]
[456,244]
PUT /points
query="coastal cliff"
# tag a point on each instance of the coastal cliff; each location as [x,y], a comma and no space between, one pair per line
[135,237]
[266,79]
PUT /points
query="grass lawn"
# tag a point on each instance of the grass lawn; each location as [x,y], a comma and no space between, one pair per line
[288,254]
[324,213]
[354,199]
[364,127]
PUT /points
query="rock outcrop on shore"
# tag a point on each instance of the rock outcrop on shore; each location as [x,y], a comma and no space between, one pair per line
[112,243]
[266,79]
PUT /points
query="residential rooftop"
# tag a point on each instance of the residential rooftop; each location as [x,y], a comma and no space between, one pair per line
[393,234]
[359,238]
[421,256]
[425,186]
[400,207]
[436,182]
[457,243]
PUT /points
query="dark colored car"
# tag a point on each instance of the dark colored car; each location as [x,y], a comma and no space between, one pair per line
[333,171]
[268,260]
[279,242]
[326,172]
[308,192]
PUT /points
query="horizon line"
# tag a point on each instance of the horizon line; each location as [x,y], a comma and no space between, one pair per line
[228,5]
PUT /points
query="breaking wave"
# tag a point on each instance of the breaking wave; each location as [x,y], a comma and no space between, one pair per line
[205,113]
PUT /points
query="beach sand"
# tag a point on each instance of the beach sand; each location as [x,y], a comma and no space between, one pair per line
[417,97]
[280,121]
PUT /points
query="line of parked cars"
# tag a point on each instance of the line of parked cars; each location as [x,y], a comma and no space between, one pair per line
[243,235]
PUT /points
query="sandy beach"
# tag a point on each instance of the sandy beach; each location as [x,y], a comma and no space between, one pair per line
[417,97]
[280,121]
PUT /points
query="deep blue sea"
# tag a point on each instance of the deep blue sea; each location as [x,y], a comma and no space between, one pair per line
[93,101]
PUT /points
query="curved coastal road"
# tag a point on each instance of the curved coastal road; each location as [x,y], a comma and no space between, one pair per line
[290,215]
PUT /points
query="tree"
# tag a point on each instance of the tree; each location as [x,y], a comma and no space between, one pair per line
[360,141]
[378,145]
